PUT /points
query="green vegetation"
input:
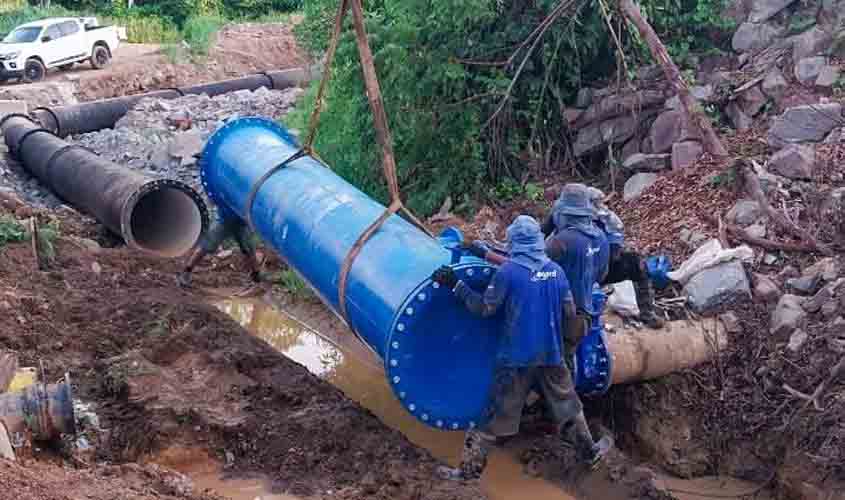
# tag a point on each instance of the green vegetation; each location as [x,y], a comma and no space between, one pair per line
[199,32]
[292,283]
[445,68]
[11,230]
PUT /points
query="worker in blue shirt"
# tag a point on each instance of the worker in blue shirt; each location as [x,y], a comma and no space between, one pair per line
[624,263]
[537,305]
[582,250]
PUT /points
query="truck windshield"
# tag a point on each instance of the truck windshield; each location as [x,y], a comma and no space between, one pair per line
[22,35]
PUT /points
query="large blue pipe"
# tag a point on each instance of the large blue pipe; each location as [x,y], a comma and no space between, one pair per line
[438,358]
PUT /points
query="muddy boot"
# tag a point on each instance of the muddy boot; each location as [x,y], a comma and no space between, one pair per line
[645,302]
[589,453]
[473,460]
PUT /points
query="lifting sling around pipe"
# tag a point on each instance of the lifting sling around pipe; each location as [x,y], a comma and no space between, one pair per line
[438,357]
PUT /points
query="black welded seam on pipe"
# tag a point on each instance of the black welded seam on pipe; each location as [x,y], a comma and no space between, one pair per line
[12,115]
[18,145]
[55,125]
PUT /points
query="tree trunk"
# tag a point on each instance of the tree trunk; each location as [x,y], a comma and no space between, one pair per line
[694,119]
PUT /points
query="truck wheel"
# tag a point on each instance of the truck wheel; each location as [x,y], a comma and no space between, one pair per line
[34,71]
[66,67]
[100,57]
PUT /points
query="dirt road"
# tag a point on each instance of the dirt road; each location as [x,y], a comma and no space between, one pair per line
[238,50]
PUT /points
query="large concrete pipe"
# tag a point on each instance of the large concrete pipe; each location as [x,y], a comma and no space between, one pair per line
[46,411]
[97,115]
[438,358]
[163,217]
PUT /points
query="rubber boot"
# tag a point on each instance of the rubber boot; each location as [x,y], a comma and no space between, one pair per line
[645,302]
[473,459]
[590,453]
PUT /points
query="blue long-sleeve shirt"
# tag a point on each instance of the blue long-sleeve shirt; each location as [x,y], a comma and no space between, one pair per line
[534,319]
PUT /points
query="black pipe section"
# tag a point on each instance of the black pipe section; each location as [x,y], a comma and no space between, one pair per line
[163,217]
[98,115]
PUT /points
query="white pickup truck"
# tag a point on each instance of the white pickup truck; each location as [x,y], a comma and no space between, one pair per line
[31,49]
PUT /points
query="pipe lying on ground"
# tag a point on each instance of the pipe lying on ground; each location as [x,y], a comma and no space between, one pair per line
[44,410]
[438,358]
[97,115]
[163,217]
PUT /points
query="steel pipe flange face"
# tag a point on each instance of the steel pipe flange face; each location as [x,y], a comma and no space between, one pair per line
[410,323]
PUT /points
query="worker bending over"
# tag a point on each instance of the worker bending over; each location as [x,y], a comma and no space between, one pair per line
[582,250]
[222,229]
[625,264]
[538,312]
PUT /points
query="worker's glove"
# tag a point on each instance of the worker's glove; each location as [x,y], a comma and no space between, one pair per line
[445,276]
[478,248]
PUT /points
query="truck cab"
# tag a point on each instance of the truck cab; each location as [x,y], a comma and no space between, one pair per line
[33,48]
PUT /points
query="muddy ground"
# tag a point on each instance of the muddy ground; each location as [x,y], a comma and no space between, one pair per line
[167,369]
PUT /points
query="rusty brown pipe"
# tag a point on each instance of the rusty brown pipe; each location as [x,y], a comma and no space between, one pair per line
[162,217]
[641,355]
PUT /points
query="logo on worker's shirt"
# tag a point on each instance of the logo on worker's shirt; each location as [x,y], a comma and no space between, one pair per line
[592,251]
[544,275]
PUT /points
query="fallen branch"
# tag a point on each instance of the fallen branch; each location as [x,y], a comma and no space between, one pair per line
[742,235]
[815,398]
[689,108]
[723,234]
[752,184]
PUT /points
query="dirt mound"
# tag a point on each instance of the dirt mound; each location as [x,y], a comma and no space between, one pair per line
[42,481]
[167,369]
[240,49]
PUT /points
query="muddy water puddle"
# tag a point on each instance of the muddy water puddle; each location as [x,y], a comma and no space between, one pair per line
[354,369]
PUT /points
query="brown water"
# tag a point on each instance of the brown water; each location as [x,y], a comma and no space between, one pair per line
[344,362]
[358,373]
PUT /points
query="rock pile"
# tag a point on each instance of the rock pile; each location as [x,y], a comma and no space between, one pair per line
[163,137]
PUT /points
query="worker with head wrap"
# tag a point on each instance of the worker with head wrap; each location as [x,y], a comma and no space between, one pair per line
[538,309]
[581,249]
[625,264]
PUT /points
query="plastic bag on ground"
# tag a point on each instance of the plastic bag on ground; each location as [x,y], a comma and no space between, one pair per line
[709,255]
[623,300]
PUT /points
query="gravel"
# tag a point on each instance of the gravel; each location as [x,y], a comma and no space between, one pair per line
[158,137]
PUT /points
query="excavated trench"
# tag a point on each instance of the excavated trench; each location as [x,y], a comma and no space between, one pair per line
[353,368]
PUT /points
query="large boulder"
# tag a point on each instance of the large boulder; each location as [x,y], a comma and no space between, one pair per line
[641,162]
[754,36]
[808,69]
[812,42]
[638,183]
[744,213]
[593,137]
[763,10]
[752,101]
[738,118]
[717,285]
[787,315]
[828,77]
[809,123]
[793,162]
[685,154]
[774,84]
[667,129]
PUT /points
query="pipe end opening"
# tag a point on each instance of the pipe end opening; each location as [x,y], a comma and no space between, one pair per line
[165,218]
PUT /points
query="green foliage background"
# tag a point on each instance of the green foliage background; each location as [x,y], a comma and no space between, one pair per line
[433,59]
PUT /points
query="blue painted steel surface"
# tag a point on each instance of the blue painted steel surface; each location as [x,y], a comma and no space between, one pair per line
[438,358]
[593,362]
